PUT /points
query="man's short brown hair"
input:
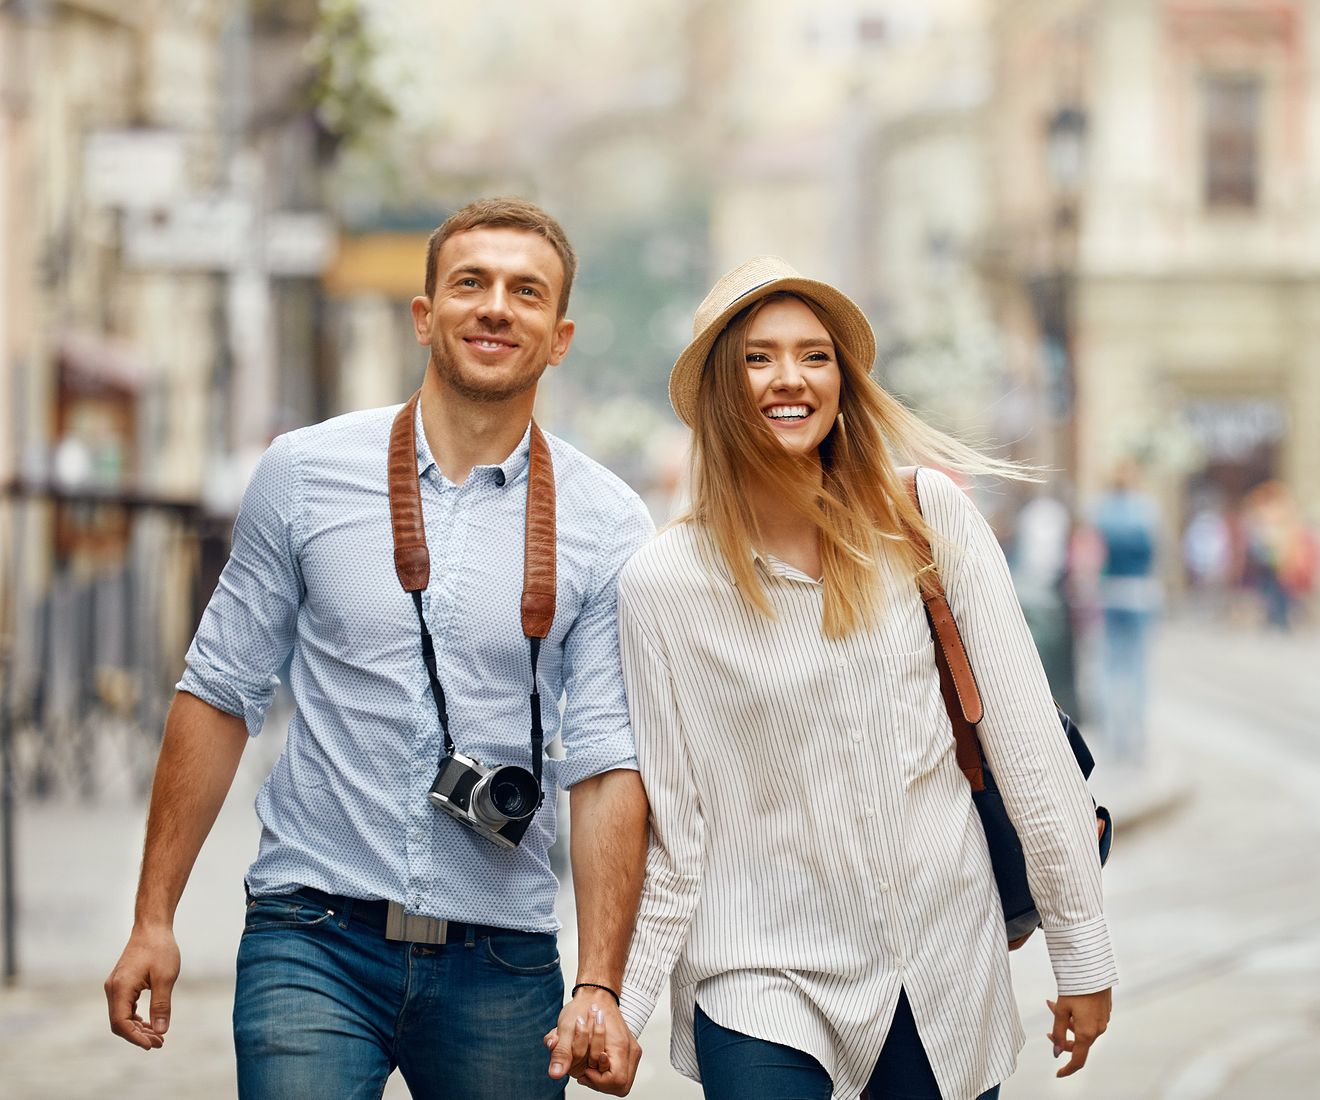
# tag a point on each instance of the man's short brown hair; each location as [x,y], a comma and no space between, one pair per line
[504,213]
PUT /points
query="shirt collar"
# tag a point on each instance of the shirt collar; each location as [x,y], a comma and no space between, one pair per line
[773,567]
[502,473]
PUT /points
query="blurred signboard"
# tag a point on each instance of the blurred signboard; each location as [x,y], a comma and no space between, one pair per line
[196,234]
[1230,429]
[298,243]
[221,233]
[134,169]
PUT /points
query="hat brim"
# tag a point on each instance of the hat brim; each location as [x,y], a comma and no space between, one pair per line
[849,324]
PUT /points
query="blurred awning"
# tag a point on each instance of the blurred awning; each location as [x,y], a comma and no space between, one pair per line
[92,363]
[390,264]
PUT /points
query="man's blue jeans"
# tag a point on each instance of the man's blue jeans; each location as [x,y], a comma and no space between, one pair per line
[327,1007]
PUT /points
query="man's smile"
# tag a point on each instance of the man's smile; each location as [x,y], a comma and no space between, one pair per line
[489,343]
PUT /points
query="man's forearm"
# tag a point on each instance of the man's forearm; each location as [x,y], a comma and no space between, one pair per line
[608,850]
[199,755]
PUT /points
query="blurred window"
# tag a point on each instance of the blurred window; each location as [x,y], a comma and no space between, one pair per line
[1231,113]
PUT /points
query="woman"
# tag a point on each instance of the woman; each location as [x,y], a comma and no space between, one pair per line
[818,883]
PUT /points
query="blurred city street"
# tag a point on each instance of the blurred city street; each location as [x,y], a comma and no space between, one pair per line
[1085,235]
[1211,894]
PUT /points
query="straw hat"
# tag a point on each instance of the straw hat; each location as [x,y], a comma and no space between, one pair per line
[735,291]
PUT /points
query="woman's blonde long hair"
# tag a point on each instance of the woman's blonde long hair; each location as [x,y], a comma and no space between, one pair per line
[855,497]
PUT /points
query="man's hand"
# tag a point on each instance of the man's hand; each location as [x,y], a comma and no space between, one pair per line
[199,755]
[592,1044]
[1087,1017]
[150,961]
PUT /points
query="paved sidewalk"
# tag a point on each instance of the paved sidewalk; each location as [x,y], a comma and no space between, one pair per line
[1216,915]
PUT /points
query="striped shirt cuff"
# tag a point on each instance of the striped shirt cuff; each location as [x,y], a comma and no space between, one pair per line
[636,1006]
[1082,957]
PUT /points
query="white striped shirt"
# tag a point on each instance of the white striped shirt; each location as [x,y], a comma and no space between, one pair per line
[814,845]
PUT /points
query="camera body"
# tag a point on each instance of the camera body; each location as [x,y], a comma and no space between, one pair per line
[497,802]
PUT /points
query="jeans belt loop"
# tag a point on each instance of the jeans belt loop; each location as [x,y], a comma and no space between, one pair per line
[413,929]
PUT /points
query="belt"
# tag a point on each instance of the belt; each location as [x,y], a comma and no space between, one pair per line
[388,918]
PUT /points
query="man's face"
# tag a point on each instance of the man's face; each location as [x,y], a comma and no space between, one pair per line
[493,325]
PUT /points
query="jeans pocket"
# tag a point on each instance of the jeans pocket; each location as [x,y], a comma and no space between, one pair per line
[530,954]
[283,911]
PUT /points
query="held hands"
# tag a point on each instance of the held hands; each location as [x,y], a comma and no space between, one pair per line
[592,1044]
[1087,1017]
[150,961]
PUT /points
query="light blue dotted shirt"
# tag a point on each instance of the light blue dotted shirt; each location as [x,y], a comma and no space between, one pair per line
[311,571]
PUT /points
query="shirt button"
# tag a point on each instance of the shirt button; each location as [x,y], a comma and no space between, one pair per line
[870,812]
[841,662]
[499,477]
[884,887]
[856,735]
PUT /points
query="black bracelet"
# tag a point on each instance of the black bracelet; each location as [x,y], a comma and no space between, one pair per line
[594,985]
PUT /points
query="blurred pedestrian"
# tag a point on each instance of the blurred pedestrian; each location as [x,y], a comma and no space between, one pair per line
[1208,557]
[1126,520]
[381,933]
[818,883]
[1281,552]
[1042,537]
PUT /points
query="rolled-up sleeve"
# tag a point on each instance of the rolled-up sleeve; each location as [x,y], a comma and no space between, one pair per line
[247,630]
[1043,789]
[596,732]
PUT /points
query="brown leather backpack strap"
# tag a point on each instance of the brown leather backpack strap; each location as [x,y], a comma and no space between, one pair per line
[412,561]
[538,598]
[962,699]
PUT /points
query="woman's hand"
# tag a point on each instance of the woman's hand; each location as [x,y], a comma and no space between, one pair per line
[1086,1016]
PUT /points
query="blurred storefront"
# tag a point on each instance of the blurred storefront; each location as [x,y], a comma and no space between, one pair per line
[1186,252]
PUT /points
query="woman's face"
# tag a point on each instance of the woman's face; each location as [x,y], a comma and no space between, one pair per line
[793,373]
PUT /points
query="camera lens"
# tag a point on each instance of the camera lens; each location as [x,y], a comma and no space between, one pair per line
[509,799]
[506,794]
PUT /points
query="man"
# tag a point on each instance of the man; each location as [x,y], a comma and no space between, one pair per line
[380,931]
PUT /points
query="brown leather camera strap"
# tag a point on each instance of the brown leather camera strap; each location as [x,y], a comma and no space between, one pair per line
[412,559]
[957,683]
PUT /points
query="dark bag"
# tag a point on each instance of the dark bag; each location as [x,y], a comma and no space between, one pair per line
[963,702]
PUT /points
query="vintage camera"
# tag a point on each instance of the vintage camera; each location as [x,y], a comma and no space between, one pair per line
[496,802]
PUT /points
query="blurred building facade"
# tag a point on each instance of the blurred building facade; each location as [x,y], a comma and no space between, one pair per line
[854,142]
[162,234]
[1154,255]
[1082,230]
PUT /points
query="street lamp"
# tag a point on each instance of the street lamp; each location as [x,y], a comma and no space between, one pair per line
[1065,150]
[1052,285]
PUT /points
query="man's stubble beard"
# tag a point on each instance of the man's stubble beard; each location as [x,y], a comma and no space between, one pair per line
[452,377]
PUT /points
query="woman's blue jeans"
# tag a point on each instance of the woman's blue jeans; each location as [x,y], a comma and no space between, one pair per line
[735,1066]
[325,1007]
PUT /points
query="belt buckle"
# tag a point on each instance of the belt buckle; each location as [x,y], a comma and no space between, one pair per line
[413,929]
